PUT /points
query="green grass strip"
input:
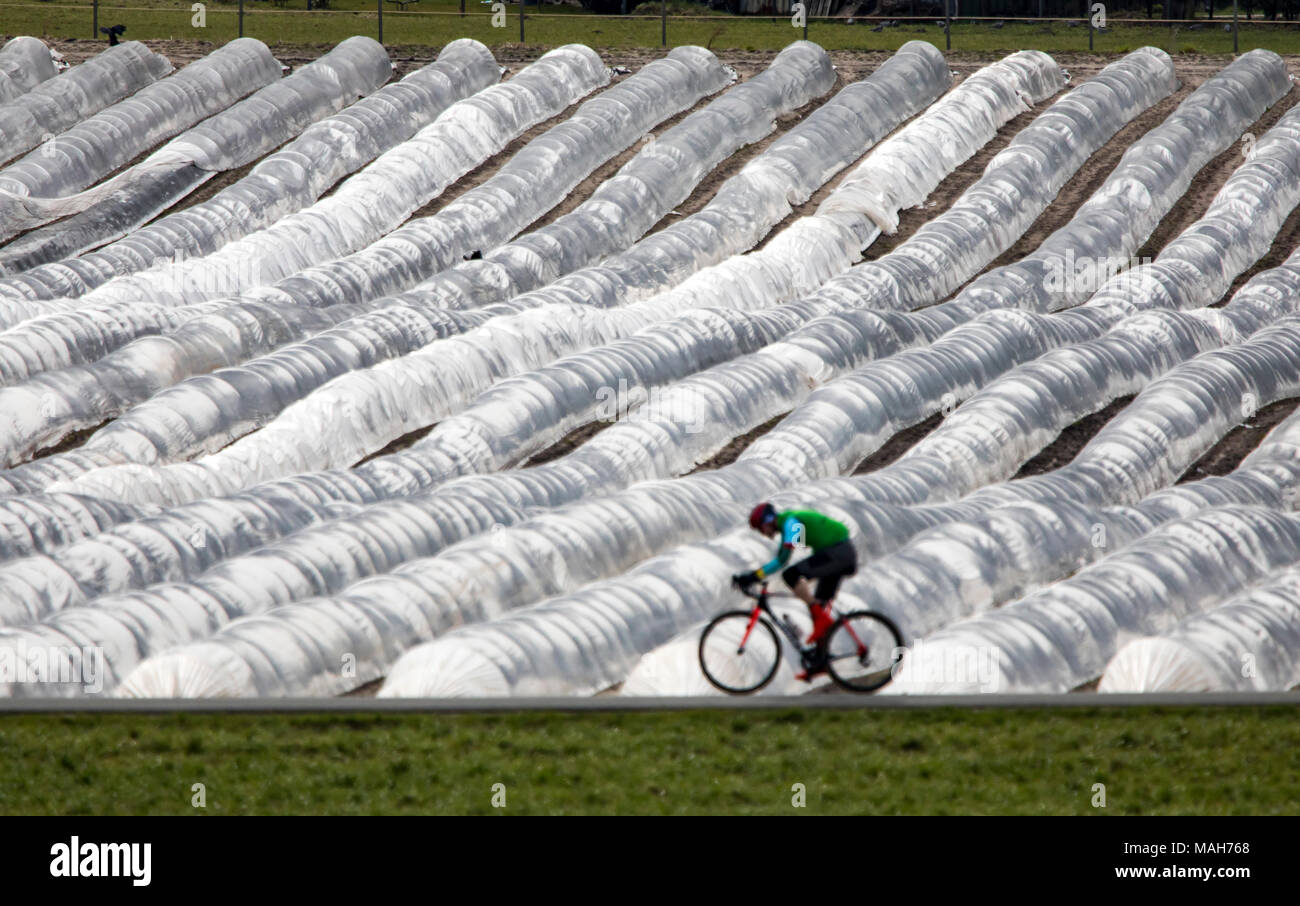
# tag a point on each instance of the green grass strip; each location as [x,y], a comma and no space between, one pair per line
[942,761]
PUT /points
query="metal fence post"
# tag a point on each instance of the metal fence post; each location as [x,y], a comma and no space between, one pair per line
[379,5]
[663,23]
[241,18]
[94,20]
[1234,26]
[521,21]
[947,24]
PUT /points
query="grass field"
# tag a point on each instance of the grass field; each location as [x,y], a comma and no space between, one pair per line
[944,761]
[435,22]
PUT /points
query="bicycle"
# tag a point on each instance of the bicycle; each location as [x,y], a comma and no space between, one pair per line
[740,649]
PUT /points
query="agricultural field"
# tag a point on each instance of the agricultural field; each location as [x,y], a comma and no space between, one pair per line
[402,371]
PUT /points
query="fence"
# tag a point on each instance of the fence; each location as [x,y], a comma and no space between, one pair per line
[656,23]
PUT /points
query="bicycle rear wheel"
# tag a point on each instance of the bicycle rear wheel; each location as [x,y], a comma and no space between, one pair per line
[862,649]
[736,656]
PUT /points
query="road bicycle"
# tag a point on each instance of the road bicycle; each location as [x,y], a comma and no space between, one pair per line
[740,650]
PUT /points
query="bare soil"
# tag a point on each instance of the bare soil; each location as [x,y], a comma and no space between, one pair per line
[1073,439]
[894,448]
[568,443]
[1228,453]
[728,454]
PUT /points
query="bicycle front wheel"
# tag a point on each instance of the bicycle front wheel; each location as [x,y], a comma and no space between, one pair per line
[739,654]
[862,649]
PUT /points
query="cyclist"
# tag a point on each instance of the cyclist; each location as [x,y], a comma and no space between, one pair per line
[832,559]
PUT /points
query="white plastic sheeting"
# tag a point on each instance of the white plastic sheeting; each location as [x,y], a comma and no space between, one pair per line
[788,367]
[363,412]
[989,437]
[688,139]
[890,525]
[661,523]
[1063,636]
[51,521]
[1019,184]
[812,123]
[126,557]
[33,190]
[377,199]
[24,63]
[58,103]
[1107,230]
[238,135]
[388,189]
[1030,402]
[531,182]
[994,433]
[985,556]
[746,207]
[659,89]
[644,190]
[840,425]
[799,364]
[1174,421]
[506,424]
[558,634]
[577,644]
[1249,644]
[722,412]
[911,78]
[673,165]
[972,448]
[375,619]
[288,180]
[624,207]
[1155,439]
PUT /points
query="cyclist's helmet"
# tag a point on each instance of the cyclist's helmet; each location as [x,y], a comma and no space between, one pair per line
[761,514]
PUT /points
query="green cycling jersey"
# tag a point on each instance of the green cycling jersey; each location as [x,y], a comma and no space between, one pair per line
[803,527]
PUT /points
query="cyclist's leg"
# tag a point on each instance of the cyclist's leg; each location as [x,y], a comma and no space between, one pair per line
[800,582]
[840,560]
[828,566]
[801,577]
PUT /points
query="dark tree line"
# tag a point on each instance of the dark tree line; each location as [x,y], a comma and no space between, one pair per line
[1012,9]
[1117,9]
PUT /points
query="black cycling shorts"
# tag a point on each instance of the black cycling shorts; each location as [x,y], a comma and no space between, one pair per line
[828,565]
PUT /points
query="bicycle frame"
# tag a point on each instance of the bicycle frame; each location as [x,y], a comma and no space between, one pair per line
[761,606]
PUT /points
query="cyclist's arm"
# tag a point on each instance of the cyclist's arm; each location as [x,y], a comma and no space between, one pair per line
[790,535]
